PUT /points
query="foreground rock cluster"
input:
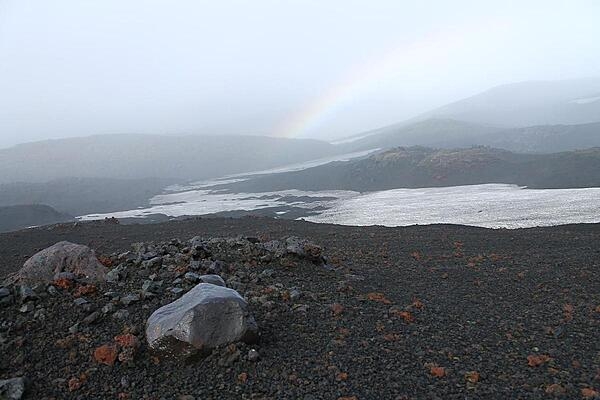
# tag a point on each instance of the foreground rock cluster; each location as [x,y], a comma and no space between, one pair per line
[186,298]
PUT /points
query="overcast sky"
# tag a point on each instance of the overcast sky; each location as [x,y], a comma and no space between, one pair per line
[295,68]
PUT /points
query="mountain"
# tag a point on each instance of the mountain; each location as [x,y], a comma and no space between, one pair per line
[148,156]
[449,134]
[545,138]
[559,116]
[434,132]
[79,196]
[564,102]
[415,167]
[24,216]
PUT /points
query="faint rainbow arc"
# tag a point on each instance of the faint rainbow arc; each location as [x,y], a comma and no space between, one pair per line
[400,58]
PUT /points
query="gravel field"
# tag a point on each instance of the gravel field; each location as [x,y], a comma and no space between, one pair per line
[421,312]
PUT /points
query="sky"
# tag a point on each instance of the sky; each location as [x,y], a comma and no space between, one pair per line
[292,68]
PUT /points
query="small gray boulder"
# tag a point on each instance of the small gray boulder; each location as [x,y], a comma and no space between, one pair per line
[46,265]
[12,389]
[205,317]
[214,279]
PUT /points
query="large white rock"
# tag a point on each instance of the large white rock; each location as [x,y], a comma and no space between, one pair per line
[77,259]
[205,317]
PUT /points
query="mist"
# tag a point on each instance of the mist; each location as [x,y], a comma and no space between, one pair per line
[292,69]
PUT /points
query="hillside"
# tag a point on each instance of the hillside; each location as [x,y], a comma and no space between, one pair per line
[529,103]
[449,134]
[545,138]
[24,216]
[78,196]
[415,167]
[434,132]
[148,156]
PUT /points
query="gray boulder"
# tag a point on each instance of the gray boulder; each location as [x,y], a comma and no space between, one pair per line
[205,317]
[46,265]
[12,389]
[303,248]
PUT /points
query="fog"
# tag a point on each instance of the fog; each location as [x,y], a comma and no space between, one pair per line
[279,68]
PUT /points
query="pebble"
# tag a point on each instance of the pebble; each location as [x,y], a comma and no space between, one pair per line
[177,290]
[121,314]
[129,299]
[267,273]
[27,307]
[73,329]
[152,263]
[80,301]
[108,308]
[301,308]
[150,286]
[192,277]
[93,317]
[212,278]
[12,389]
[4,292]
[295,294]
[253,355]
[26,293]
[124,382]
[39,314]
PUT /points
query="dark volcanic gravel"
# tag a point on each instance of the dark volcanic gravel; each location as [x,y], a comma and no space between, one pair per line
[448,312]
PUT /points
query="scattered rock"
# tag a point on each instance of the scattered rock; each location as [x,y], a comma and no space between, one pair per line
[27,307]
[62,257]
[152,263]
[121,314]
[295,294]
[80,301]
[108,308]
[12,389]
[115,274]
[212,278]
[150,286]
[26,293]
[93,317]
[267,273]
[337,308]
[205,317]
[106,354]
[129,299]
[192,277]
[253,355]
[75,384]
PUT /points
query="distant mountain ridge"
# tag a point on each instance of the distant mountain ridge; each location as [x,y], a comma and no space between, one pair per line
[561,108]
[78,196]
[415,167]
[448,133]
[24,216]
[179,158]
[563,102]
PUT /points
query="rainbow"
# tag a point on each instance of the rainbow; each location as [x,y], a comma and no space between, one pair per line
[401,59]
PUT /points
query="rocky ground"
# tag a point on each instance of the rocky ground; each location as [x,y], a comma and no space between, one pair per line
[392,313]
